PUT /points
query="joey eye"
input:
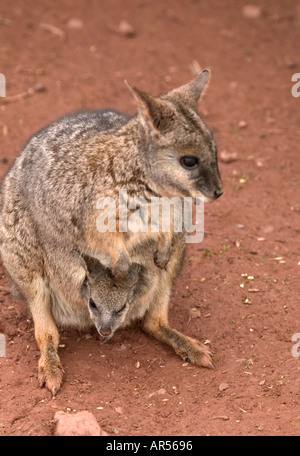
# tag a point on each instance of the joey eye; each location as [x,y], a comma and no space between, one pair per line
[120,311]
[92,304]
[189,162]
[85,283]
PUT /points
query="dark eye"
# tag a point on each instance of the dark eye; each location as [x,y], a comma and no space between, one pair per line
[85,283]
[189,162]
[121,310]
[92,304]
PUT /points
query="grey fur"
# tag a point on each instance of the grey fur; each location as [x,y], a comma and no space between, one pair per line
[48,209]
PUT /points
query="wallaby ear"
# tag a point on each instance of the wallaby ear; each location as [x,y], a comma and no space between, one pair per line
[191,93]
[134,273]
[150,110]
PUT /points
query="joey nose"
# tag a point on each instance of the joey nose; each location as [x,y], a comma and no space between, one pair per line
[218,193]
[105,332]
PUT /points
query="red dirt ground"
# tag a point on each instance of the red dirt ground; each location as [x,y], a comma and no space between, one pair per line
[253,229]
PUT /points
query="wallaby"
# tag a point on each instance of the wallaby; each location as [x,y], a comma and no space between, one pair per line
[84,295]
[49,200]
[107,298]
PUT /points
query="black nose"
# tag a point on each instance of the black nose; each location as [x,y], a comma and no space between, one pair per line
[218,193]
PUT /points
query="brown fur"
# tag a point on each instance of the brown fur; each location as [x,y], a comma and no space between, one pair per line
[48,208]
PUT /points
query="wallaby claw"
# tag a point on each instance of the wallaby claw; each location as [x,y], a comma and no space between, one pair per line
[205,360]
[160,260]
[51,378]
[196,353]
[54,391]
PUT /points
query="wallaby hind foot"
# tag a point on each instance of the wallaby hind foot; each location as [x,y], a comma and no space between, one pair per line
[50,371]
[189,349]
[156,324]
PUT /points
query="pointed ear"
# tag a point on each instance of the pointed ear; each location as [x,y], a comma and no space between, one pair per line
[191,93]
[134,273]
[91,266]
[81,261]
[149,109]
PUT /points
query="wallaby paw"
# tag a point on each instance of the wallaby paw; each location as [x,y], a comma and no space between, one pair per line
[121,268]
[118,273]
[197,353]
[161,259]
[51,377]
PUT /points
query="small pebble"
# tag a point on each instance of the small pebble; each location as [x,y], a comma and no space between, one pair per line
[251,11]
[227,157]
[242,124]
[74,24]
[223,386]
[125,29]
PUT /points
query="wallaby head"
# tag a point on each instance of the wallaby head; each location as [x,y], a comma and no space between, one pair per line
[176,146]
[107,298]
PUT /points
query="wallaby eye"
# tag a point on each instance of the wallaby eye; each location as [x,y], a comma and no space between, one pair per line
[189,162]
[120,311]
[92,304]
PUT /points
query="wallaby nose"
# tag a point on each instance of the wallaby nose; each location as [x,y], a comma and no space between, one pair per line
[105,332]
[218,193]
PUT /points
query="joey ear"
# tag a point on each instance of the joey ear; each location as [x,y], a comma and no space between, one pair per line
[81,261]
[134,273]
[191,93]
[91,265]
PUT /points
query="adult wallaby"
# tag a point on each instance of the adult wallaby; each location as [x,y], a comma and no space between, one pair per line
[49,199]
